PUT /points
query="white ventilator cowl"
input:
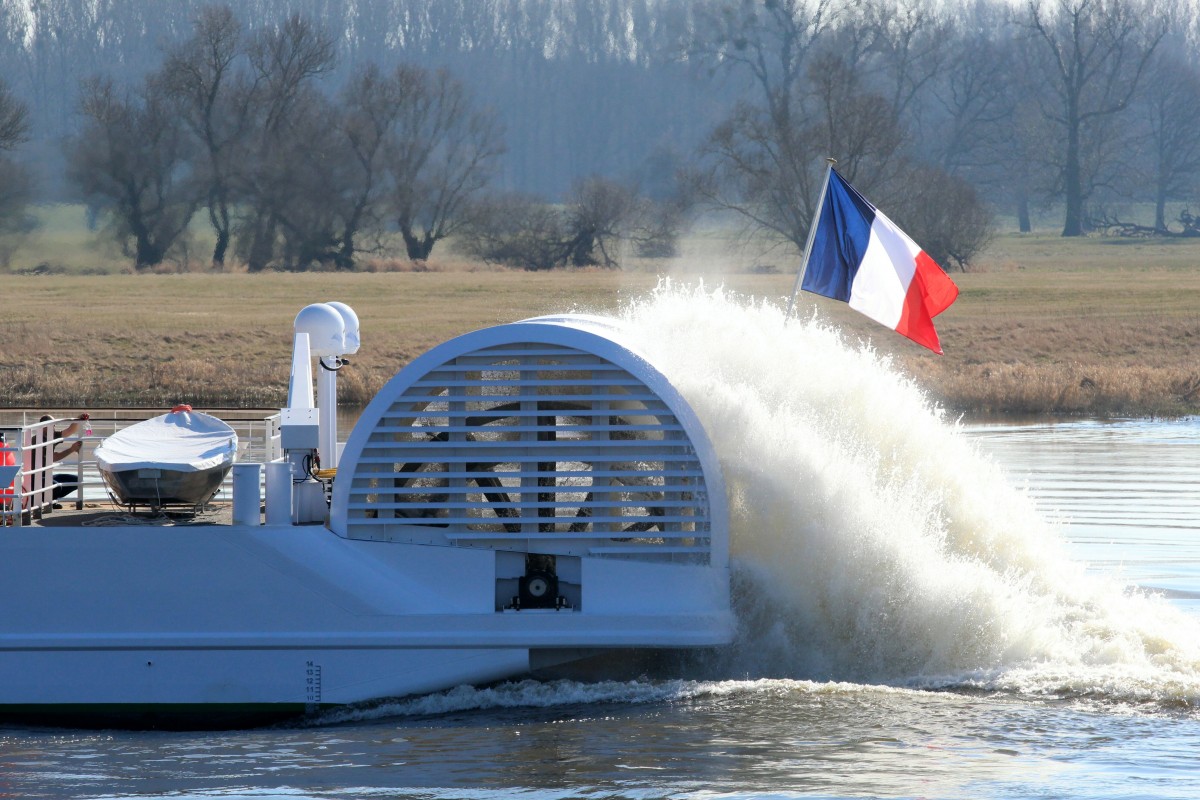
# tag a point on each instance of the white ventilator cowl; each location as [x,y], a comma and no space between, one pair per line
[351,322]
[325,327]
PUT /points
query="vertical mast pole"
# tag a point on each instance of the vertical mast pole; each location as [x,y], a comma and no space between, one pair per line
[812,233]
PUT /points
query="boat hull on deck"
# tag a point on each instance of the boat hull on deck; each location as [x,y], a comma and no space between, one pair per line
[175,459]
[159,487]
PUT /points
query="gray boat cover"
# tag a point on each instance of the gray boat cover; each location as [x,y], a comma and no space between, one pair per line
[184,441]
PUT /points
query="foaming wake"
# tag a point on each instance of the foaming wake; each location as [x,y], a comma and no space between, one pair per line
[522,694]
[559,693]
[872,542]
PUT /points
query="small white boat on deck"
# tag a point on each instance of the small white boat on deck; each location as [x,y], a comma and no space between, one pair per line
[176,459]
[520,497]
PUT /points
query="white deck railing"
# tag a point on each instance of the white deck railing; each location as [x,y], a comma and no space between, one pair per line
[30,447]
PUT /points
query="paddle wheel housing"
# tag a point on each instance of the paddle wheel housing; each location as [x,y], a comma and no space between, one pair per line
[549,436]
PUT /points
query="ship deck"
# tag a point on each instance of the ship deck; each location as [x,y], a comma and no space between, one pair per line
[100,514]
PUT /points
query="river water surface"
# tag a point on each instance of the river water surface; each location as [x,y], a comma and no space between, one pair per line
[927,609]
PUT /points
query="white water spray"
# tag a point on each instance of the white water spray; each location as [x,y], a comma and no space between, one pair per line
[872,542]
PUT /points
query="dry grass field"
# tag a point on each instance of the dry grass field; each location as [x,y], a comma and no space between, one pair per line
[1095,327]
[1043,326]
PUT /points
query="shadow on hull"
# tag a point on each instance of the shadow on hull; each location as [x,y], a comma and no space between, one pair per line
[158,488]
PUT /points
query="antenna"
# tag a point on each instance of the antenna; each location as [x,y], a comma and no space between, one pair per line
[308,430]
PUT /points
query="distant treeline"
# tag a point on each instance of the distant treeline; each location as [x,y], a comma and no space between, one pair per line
[1086,105]
[582,87]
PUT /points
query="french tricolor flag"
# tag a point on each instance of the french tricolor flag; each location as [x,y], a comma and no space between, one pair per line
[860,257]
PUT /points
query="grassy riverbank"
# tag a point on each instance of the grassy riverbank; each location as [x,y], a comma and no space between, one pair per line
[1043,326]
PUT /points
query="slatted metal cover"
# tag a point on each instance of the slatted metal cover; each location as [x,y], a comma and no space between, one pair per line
[545,436]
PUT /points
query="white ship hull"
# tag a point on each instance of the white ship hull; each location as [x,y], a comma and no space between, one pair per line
[237,625]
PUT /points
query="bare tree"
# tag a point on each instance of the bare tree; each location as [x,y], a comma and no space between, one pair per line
[974,99]
[599,212]
[907,49]
[16,193]
[1095,53]
[14,119]
[441,153]
[1170,106]
[768,40]
[762,164]
[16,182]
[602,215]
[370,107]
[946,216]
[855,123]
[981,121]
[200,75]
[131,160]
[285,61]
[514,230]
[312,187]
[598,218]
[767,170]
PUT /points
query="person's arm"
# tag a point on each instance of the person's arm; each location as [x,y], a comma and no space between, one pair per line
[69,431]
[73,428]
[59,455]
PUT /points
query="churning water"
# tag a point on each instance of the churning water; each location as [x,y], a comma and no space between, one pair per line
[926,610]
[875,544]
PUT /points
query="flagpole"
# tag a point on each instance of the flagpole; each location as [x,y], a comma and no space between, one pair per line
[812,232]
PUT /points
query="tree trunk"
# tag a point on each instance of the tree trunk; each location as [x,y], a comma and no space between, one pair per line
[1023,223]
[579,250]
[263,245]
[218,217]
[417,247]
[1160,208]
[219,250]
[148,253]
[343,258]
[1073,223]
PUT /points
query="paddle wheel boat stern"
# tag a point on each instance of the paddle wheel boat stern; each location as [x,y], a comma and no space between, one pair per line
[518,496]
